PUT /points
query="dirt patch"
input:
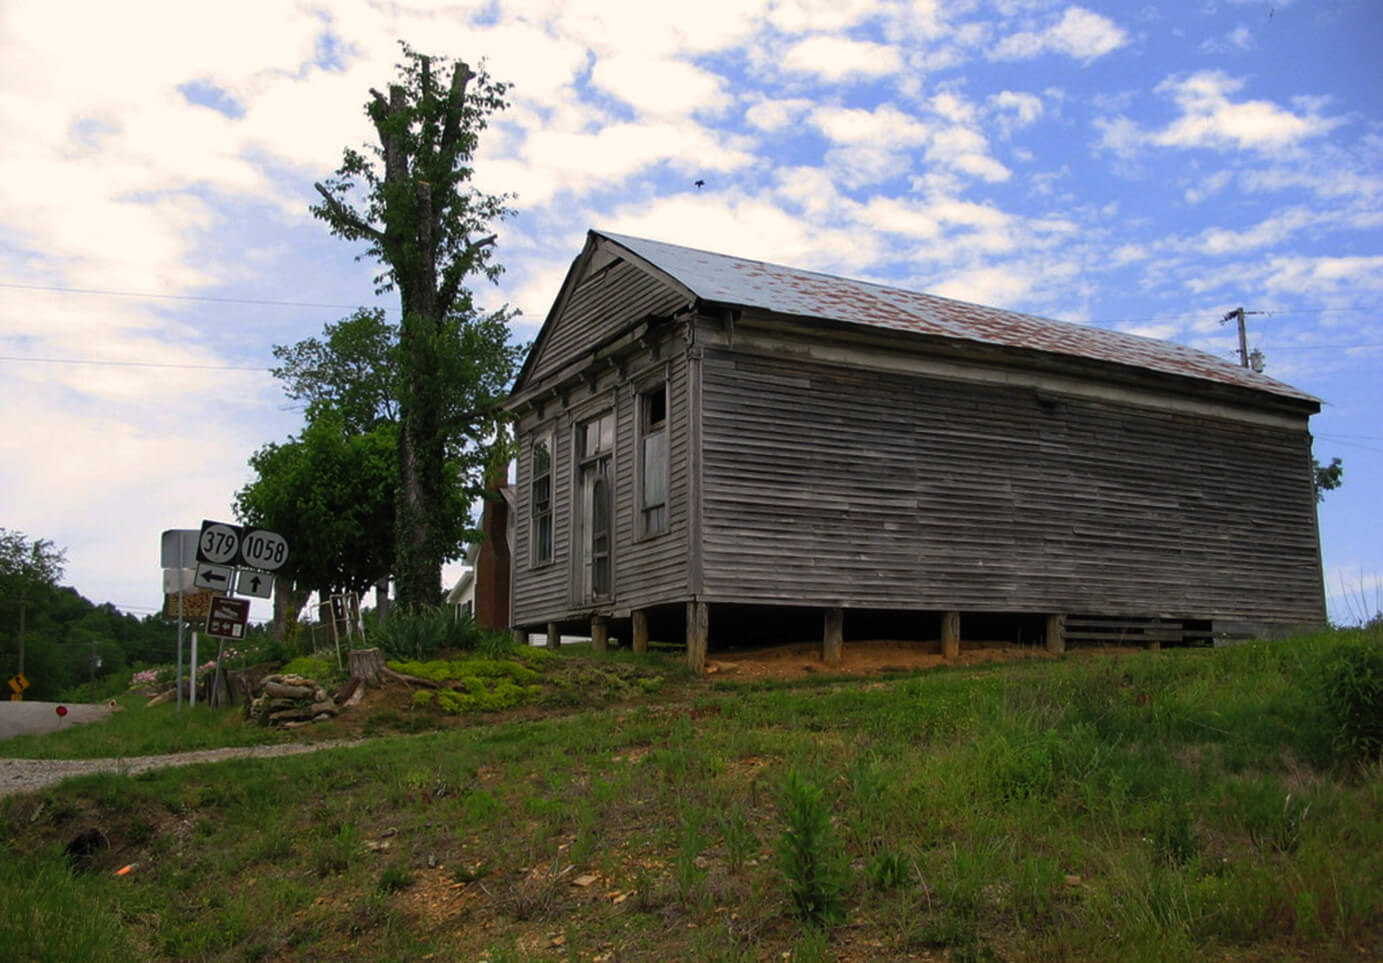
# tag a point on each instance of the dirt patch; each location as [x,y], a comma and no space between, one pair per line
[861,658]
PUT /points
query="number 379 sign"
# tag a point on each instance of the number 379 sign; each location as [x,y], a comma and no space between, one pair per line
[220,543]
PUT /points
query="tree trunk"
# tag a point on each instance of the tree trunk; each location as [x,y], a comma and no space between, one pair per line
[382,599]
[368,666]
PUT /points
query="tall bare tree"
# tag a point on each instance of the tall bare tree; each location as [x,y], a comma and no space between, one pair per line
[431,231]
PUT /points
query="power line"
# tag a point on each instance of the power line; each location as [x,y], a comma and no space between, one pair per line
[134,364]
[155,296]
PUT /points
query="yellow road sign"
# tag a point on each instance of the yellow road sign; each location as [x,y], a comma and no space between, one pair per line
[18,683]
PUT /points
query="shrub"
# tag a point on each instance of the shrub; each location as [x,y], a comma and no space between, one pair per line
[1352,698]
[810,855]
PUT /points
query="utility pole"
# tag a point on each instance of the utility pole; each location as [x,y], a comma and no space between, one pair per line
[1238,313]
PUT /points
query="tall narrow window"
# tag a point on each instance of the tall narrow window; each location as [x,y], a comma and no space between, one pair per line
[540,514]
[653,467]
[595,444]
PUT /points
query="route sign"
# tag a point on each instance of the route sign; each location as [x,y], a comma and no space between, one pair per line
[263,549]
[249,581]
[228,618]
[218,578]
[219,543]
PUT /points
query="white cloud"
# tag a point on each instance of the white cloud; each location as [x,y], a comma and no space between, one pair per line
[660,88]
[768,114]
[1237,40]
[839,58]
[885,125]
[1079,34]
[1014,110]
[1210,119]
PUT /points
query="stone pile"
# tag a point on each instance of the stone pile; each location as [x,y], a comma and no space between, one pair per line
[289,701]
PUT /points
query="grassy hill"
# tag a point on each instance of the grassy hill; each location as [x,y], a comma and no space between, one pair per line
[1185,804]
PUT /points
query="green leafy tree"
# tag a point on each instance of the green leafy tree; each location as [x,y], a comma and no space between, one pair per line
[26,566]
[409,198]
[352,370]
[330,493]
[1328,477]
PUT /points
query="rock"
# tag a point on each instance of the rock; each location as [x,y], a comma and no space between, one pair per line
[278,690]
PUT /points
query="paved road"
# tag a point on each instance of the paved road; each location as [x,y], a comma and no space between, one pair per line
[18,718]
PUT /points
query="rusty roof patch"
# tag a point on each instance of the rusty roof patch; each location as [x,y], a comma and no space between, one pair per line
[738,282]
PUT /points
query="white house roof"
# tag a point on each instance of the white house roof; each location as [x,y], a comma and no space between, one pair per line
[733,281]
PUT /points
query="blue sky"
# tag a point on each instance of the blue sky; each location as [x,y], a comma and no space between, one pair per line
[1145,168]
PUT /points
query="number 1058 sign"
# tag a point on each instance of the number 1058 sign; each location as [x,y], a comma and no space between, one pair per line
[220,543]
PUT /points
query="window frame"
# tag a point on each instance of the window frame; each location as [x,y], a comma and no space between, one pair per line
[535,559]
[646,429]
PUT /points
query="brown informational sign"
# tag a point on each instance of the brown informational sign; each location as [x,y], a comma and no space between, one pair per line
[195,605]
[228,618]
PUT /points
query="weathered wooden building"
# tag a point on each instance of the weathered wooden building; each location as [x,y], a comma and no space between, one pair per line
[712,444]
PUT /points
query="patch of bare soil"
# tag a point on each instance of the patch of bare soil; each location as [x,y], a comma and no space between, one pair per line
[874,657]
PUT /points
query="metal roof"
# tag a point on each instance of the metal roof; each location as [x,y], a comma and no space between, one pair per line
[738,282]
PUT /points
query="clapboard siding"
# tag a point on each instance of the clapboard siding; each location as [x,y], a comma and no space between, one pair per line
[826,485]
[647,571]
[604,304]
[540,591]
[653,569]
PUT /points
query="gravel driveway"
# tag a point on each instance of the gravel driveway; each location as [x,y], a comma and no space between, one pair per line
[28,775]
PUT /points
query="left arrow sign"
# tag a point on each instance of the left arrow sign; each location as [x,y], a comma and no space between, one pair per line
[214,577]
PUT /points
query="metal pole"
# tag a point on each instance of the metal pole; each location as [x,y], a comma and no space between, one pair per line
[192,674]
[182,566]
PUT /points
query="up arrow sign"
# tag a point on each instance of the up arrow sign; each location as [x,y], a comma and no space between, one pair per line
[254,583]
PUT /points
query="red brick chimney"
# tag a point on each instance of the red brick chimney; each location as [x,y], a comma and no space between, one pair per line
[492,564]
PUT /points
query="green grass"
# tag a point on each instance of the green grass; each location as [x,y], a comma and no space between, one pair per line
[137,730]
[1173,805]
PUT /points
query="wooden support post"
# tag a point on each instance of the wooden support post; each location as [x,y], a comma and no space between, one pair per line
[950,635]
[600,633]
[554,636]
[520,636]
[698,633]
[1056,633]
[640,618]
[834,636]
[1155,646]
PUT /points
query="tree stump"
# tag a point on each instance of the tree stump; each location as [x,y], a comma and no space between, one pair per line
[367,665]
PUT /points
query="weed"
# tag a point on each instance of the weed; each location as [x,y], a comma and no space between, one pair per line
[809,854]
[1352,694]
[888,869]
[393,879]
[740,841]
[1172,836]
[688,871]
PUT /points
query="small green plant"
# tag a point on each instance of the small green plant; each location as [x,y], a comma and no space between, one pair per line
[739,838]
[393,879]
[810,855]
[687,870]
[1172,837]
[1352,693]
[888,869]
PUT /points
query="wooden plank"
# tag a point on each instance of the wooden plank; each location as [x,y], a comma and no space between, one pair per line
[950,635]
[833,636]
[698,634]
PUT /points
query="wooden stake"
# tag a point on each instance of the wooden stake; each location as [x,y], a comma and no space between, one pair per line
[833,639]
[698,634]
[950,635]
[1056,633]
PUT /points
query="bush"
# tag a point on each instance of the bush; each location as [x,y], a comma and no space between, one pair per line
[1352,698]
[421,635]
[810,855]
